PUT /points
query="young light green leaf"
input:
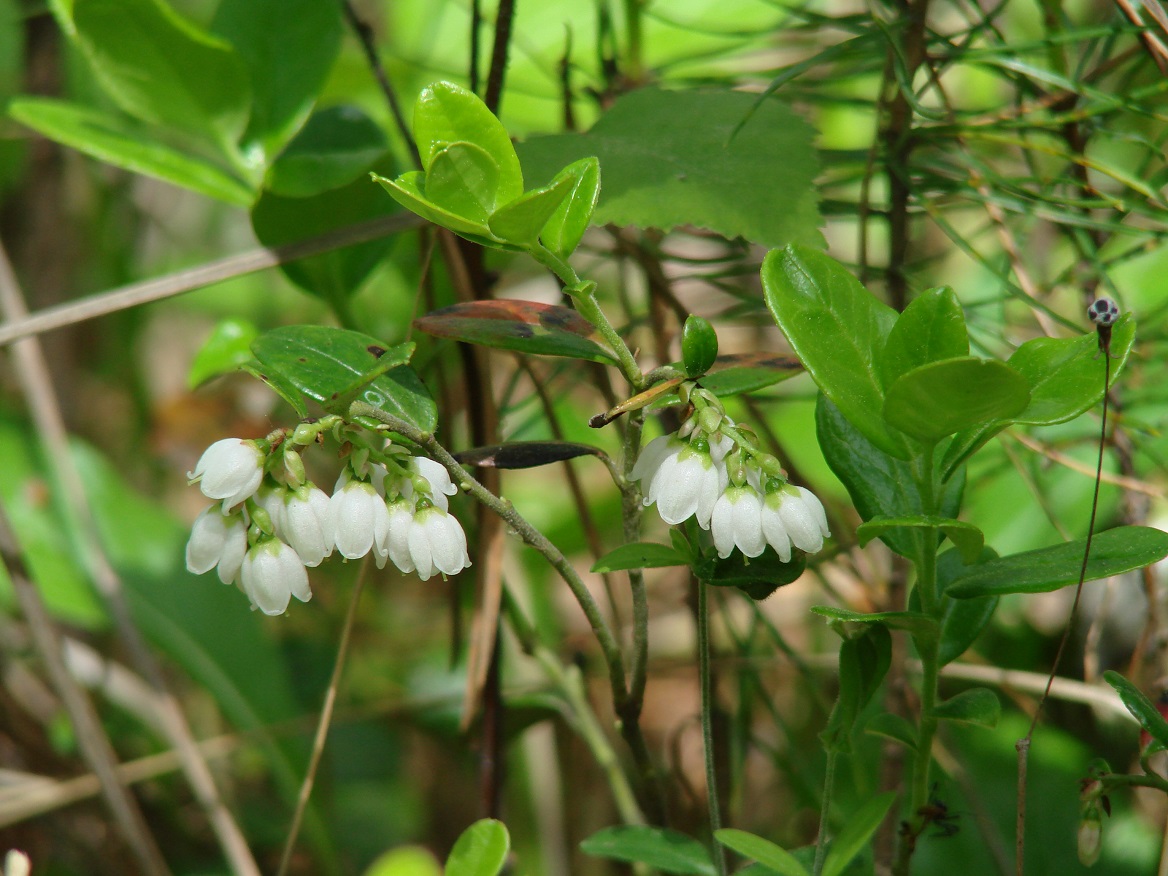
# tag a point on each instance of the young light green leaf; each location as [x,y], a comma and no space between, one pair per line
[837,329]
[1113,552]
[407,191]
[978,705]
[940,398]
[967,537]
[762,850]
[930,329]
[447,113]
[228,348]
[481,850]
[521,220]
[405,861]
[662,170]
[858,830]
[160,68]
[921,625]
[566,226]
[639,555]
[464,179]
[1142,708]
[665,850]
[122,143]
[335,147]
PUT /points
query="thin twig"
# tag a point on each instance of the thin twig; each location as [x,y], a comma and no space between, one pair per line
[503,19]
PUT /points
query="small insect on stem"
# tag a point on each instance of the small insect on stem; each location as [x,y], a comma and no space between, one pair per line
[936,813]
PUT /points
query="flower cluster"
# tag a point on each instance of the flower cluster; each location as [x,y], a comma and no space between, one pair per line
[711,471]
[269,523]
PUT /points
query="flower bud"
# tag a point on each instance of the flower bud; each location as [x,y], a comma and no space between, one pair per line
[294,468]
[699,346]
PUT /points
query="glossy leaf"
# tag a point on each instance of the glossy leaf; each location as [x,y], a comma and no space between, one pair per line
[639,555]
[525,454]
[757,577]
[940,398]
[227,349]
[837,329]
[895,727]
[405,861]
[463,179]
[664,850]
[566,226]
[962,620]
[930,329]
[336,274]
[520,221]
[880,486]
[335,366]
[481,850]
[699,345]
[407,191]
[663,169]
[856,833]
[1142,708]
[747,372]
[523,326]
[1065,378]
[1113,552]
[125,144]
[771,856]
[279,384]
[978,705]
[160,68]
[335,147]
[910,621]
[288,47]
[446,113]
[967,537]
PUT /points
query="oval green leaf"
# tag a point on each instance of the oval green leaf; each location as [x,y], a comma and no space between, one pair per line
[335,147]
[854,836]
[913,622]
[938,399]
[1113,552]
[227,349]
[464,180]
[407,191]
[962,620]
[566,226]
[978,705]
[930,329]
[405,861]
[666,850]
[762,850]
[757,577]
[639,555]
[519,221]
[481,850]
[967,537]
[1142,708]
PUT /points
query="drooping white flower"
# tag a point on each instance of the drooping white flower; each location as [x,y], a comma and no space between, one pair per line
[772,525]
[652,455]
[230,469]
[802,517]
[427,540]
[436,476]
[686,482]
[358,518]
[307,524]
[217,540]
[272,574]
[271,499]
[737,522]
[396,545]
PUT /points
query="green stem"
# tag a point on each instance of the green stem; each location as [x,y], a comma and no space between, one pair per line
[708,726]
[824,817]
[634,62]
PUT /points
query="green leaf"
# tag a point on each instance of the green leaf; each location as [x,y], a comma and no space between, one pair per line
[523,326]
[563,231]
[335,147]
[407,191]
[117,141]
[1065,379]
[737,373]
[699,345]
[337,274]
[664,168]
[481,850]
[405,861]
[665,850]
[978,705]
[160,68]
[288,47]
[279,384]
[962,620]
[463,179]
[837,329]
[446,113]
[334,366]
[914,622]
[967,537]
[864,659]
[931,328]
[1142,708]
[1113,552]
[940,398]
[757,577]
[520,221]
[893,727]
[758,849]
[227,349]
[856,833]
[880,486]
[639,555]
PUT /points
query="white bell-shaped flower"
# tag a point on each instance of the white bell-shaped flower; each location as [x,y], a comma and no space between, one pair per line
[433,540]
[802,516]
[358,518]
[230,469]
[307,524]
[686,482]
[737,522]
[436,476]
[217,540]
[272,574]
[396,545]
[773,529]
